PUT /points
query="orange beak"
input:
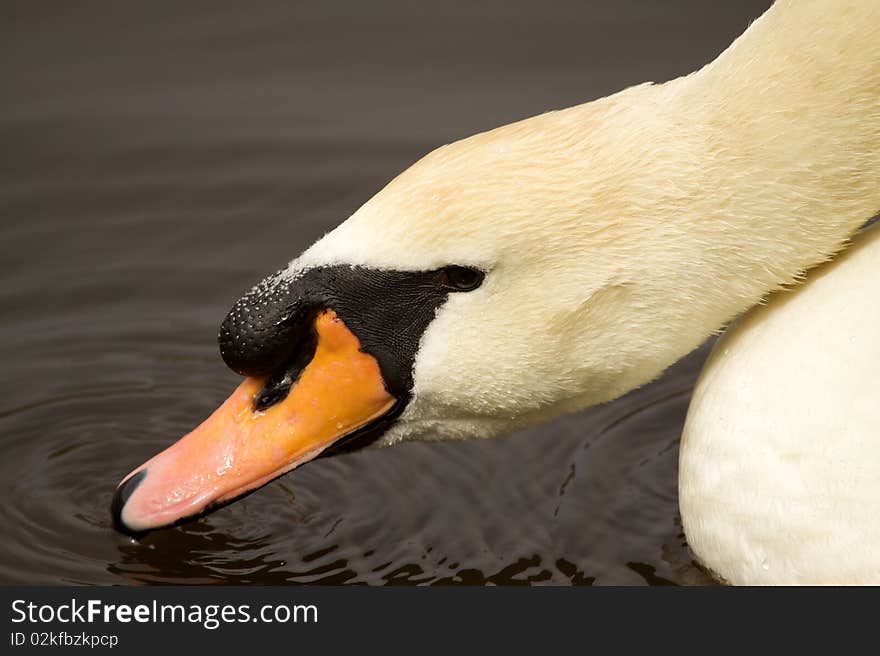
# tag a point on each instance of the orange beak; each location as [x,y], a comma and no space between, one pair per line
[238,449]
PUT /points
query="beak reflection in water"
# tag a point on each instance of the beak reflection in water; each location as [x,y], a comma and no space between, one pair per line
[241,447]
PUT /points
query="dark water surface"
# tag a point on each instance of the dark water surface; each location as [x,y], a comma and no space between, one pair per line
[158,159]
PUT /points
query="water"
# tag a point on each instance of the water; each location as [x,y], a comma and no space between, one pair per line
[158,160]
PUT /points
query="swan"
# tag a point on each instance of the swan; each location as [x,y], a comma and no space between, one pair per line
[546,265]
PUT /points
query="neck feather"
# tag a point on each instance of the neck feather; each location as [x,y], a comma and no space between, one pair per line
[788,125]
[753,170]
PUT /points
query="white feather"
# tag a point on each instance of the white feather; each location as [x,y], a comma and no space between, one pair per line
[779,477]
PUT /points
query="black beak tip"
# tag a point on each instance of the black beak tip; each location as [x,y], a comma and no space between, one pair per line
[120,497]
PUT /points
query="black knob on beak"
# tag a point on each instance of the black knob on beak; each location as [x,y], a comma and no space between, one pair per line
[263,327]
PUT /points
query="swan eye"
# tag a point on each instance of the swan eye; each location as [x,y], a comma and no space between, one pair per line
[461,279]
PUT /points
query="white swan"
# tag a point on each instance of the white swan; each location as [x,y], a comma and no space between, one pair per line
[546,265]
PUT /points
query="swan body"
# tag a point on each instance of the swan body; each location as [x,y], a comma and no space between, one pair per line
[597,244]
[779,477]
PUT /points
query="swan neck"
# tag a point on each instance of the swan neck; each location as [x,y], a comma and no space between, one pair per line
[810,64]
[751,171]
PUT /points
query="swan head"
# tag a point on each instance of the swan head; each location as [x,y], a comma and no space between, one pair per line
[499,281]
